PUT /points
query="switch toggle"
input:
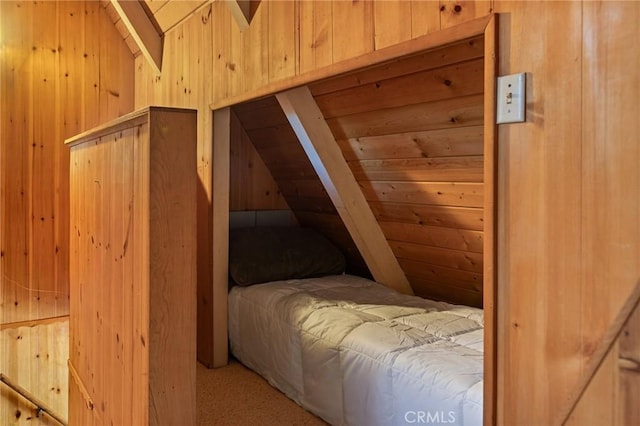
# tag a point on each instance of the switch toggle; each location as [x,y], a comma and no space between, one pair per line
[511,98]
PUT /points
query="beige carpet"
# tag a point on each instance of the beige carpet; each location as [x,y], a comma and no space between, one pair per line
[234,395]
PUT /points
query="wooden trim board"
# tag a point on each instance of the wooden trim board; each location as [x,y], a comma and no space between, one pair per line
[220,229]
[142,31]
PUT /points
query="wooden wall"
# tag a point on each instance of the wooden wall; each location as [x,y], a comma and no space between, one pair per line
[64,68]
[570,185]
[412,134]
[34,355]
[268,132]
[569,234]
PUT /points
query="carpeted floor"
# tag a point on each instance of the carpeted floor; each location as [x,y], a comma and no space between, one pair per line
[234,395]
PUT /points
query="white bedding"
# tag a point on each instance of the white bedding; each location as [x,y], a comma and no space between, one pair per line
[357,353]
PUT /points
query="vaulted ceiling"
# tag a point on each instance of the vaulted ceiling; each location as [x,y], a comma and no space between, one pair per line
[162,16]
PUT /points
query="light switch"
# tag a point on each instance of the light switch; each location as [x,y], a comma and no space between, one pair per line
[511,98]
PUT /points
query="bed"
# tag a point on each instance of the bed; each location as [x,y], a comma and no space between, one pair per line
[354,352]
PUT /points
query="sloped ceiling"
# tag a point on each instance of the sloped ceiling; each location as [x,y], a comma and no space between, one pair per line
[165,14]
[411,131]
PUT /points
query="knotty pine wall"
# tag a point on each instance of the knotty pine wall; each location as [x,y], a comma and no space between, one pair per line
[569,238]
[34,356]
[64,69]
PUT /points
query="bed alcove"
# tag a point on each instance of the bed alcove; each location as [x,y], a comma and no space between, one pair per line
[414,124]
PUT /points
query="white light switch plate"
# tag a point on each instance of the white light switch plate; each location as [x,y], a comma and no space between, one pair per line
[511,98]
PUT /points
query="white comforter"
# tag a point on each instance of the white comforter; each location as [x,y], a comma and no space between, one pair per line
[357,353]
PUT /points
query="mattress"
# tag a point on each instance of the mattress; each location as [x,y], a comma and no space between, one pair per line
[354,352]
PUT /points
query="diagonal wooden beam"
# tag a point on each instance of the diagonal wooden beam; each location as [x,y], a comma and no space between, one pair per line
[241,12]
[142,31]
[318,142]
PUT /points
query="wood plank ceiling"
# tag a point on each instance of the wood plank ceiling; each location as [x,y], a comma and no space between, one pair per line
[411,131]
[164,14]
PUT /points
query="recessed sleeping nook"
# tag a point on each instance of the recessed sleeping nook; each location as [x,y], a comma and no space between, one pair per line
[359,221]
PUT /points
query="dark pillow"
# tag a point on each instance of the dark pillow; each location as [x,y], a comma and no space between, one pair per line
[263,254]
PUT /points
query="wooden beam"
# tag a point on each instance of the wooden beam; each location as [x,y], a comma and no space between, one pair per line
[602,350]
[490,291]
[142,30]
[220,207]
[241,12]
[316,138]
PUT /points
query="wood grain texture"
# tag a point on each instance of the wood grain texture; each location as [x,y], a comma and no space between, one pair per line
[251,182]
[133,271]
[425,214]
[452,142]
[222,136]
[142,30]
[34,357]
[449,113]
[456,80]
[316,138]
[387,15]
[628,368]
[541,212]
[490,288]
[429,58]
[173,12]
[425,17]
[438,193]
[353,33]
[454,12]
[52,79]
[316,35]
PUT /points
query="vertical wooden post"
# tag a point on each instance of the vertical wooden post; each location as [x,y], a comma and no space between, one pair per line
[489,291]
[220,229]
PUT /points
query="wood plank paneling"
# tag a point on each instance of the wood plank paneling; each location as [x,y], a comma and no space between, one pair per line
[387,15]
[455,278]
[443,169]
[316,34]
[435,236]
[449,113]
[323,152]
[438,193]
[283,40]
[455,259]
[434,290]
[628,366]
[453,142]
[42,163]
[429,59]
[352,29]
[15,144]
[425,17]
[172,13]
[424,214]
[537,163]
[56,86]
[252,183]
[610,228]
[35,357]
[454,12]
[457,80]
[541,261]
